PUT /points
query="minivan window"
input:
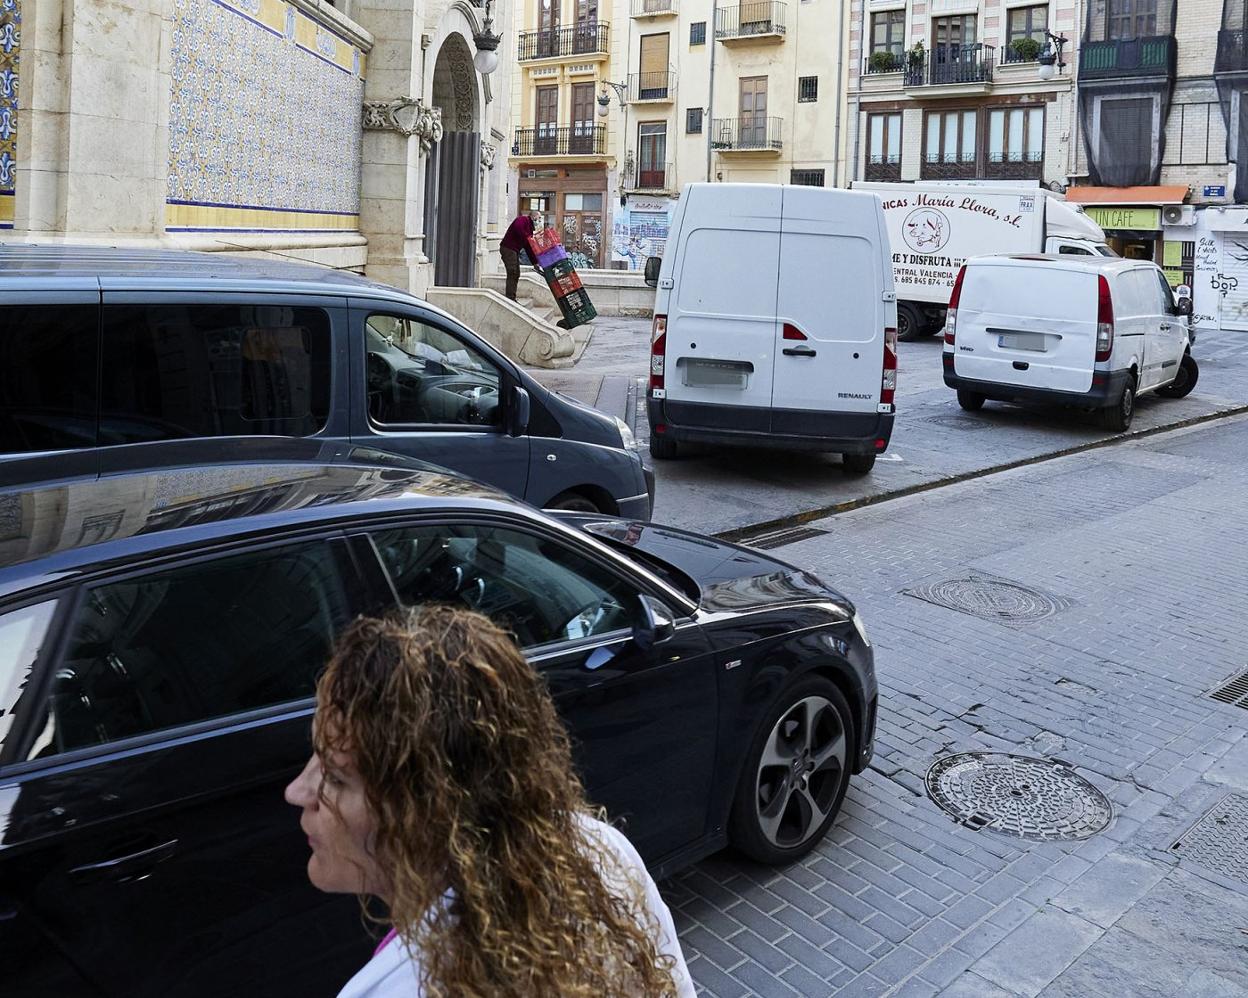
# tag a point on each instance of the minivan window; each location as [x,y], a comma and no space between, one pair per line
[194,643]
[23,633]
[48,360]
[533,586]
[206,370]
[419,374]
[1073,251]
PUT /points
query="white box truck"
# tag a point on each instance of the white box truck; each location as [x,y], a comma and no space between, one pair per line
[933,228]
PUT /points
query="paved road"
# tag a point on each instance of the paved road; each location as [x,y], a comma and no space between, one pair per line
[933,440]
[1139,547]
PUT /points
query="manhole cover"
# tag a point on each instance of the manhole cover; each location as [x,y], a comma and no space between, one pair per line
[958,422]
[991,599]
[1219,840]
[1037,799]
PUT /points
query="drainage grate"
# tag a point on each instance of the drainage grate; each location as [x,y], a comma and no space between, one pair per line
[1219,840]
[1234,692]
[991,599]
[1037,799]
[958,422]
[779,538]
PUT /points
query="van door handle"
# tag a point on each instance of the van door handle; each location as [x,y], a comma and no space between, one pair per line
[125,869]
[1166,327]
[799,352]
[1021,365]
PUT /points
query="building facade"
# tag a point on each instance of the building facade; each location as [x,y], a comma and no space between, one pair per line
[291,127]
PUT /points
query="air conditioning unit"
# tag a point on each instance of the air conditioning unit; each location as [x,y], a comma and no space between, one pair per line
[1178,214]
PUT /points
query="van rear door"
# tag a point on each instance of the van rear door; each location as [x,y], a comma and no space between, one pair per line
[721,320]
[829,346]
[1030,323]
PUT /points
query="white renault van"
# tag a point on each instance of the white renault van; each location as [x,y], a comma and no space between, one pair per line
[774,322]
[1085,331]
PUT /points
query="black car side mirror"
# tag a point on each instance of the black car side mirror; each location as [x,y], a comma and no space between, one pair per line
[653,265]
[655,626]
[519,411]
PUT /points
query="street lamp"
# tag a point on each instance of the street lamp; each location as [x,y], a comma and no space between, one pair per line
[1050,59]
[486,59]
[604,99]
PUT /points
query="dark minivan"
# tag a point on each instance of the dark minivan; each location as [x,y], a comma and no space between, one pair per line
[103,346]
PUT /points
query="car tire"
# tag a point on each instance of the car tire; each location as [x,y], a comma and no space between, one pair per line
[910,324]
[573,502]
[857,464]
[970,401]
[662,448]
[1184,381]
[809,721]
[1117,418]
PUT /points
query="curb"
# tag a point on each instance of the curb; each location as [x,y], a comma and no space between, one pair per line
[742,535]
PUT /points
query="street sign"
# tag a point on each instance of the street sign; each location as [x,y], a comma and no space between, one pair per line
[1215,191]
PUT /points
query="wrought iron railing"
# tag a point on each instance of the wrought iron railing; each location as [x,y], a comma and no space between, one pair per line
[1232,52]
[1027,166]
[1128,57]
[883,168]
[883,62]
[749,132]
[590,38]
[650,177]
[651,86]
[566,140]
[653,8]
[755,17]
[939,169]
[950,64]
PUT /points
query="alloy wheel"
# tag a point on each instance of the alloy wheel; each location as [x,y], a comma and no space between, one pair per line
[800,772]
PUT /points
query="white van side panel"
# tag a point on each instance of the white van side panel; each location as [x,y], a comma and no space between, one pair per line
[721,317]
[1040,318]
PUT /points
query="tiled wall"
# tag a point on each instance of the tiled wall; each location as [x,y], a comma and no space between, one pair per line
[10,50]
[264,120]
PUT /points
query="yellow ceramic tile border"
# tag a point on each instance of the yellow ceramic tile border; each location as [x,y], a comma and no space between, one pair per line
[6,209]
[219,217]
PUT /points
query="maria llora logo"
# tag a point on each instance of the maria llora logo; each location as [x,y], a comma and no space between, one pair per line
[925,230]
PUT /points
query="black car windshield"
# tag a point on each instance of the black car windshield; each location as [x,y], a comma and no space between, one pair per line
[666,571]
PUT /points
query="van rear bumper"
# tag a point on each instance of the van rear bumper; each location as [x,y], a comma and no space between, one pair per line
[747,426]
[1106,389]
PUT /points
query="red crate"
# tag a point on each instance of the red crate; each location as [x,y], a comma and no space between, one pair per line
[565,285]
[542,241]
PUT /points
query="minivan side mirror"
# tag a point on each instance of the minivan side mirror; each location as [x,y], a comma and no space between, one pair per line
[655,625]
[1183,306]
[653,265]
[519,412]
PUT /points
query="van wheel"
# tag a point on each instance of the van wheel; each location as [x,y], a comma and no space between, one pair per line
[1184,381]
[573,502]
[970,401]
[1117,418]
[662,448]
[857,464]
[910,324]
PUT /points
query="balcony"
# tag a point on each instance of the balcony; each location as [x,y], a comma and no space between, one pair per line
[940,169]
[650,177]
[651,88]
[882,168]
[573,140]
[752,133]
[654,8]
[881,62]
[1232,52]
[1128,58]
[1026,166]
[964,68]
[581,40]
[750,21]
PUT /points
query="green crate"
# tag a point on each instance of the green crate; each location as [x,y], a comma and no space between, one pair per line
[557,270]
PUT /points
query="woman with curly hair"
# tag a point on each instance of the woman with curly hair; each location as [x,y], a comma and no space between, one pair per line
[442,784]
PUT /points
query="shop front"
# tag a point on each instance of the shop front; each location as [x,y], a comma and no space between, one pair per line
[573,201]
[1130,216]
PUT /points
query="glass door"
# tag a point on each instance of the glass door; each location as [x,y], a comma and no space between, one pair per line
[753,121]
[546,140]
[953,47]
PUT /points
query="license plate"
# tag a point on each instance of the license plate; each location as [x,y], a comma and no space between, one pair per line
[1023,341]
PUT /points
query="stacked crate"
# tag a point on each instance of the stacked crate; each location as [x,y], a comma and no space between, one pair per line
[565,285]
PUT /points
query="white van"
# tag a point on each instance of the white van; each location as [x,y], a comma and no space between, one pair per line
[1067,330]
[774,323]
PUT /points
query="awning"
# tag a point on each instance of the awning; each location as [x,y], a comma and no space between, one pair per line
[1171,194]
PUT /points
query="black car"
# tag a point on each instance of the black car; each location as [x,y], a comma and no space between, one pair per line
[160,636]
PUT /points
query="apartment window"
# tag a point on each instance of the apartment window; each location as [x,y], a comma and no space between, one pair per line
[884,146]
[1015,143]
[949,144]
[888,32]
[697,33]
[807,89]
[806,178]
[1027,22]
[693,121]
[1132,18]
[652,146]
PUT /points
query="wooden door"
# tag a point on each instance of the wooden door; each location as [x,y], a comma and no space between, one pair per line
[652,81]
[753,123]
[547,27]
[953,48]
[582,141]
[546,139]
[586,37]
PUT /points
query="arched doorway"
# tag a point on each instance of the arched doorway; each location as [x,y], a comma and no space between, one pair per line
[452,184]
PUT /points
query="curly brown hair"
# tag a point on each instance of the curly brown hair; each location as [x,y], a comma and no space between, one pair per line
[468,774]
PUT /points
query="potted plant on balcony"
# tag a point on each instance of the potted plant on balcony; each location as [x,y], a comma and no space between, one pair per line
[916,55]
[1025,49]
[883,62]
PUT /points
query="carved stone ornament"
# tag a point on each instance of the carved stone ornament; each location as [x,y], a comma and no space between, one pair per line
[407,116]
[488,152]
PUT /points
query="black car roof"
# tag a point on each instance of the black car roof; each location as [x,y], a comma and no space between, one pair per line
[57,527]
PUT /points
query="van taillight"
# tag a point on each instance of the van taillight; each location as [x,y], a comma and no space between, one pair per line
[951,316]
[888,383]
[1104,320]
[658,351]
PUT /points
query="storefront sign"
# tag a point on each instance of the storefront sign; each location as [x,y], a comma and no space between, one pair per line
[1215,192]
[1124,218]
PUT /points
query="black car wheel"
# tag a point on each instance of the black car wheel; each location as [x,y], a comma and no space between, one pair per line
[857,464]
[1184,381]
[910,324]
[795,775]
[970,401]
[573,502]
[662,448]
[1117,417]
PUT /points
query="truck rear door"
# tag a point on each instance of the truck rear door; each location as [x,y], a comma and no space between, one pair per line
[1031,324]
